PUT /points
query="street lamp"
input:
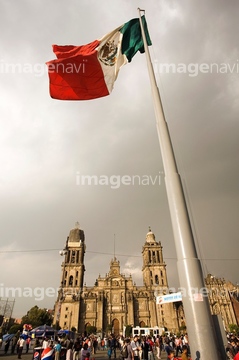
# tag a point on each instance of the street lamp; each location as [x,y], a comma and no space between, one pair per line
[63,253]
[61,292]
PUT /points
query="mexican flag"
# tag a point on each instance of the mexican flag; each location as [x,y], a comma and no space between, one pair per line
[89,71]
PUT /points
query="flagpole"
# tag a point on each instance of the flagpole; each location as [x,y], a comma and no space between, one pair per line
[199,323]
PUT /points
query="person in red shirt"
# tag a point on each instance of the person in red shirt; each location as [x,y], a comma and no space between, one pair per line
[151,348]
[28,342]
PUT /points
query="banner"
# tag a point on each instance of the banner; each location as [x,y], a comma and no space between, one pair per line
[169,298]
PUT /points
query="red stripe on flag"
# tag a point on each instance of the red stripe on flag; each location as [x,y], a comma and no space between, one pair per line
[76,74]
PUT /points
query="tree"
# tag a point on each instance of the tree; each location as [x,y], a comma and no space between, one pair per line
[36,317]
[128,330]
[233,328]
[15,328]
[183,328]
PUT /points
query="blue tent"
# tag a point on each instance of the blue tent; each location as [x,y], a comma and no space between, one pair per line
[63,332]
[68,333]
[7,337]
[43,330]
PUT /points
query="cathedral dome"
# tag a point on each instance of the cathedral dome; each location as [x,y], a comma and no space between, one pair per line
[76,234]
[150,237]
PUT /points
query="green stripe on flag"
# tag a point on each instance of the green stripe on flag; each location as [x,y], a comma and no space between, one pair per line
[132,39]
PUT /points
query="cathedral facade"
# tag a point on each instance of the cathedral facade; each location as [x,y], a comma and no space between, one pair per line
[114,301]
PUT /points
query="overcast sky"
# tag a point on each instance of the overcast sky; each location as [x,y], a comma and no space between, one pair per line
[46,145]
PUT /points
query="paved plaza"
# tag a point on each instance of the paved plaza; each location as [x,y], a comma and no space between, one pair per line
[100,355]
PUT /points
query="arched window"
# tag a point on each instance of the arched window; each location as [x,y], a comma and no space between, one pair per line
[156,279]
[71,280]
[73,256]
[76,280]
[158,256]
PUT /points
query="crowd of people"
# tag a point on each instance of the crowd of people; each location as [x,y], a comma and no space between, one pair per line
[16,344]
[232,349]
[129,348]
[134,348]
[149,348]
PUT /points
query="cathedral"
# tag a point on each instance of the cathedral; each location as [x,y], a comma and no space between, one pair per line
[115,301]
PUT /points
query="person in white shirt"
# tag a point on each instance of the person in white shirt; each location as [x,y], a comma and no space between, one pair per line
[135,347]
[69,352]
[45,343]
[20,344]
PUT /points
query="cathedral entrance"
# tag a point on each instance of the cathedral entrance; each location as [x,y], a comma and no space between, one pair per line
[87,326]
[115,327]
[142,324]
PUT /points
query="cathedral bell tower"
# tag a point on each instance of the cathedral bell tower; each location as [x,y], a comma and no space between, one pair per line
[155,281]
[154,268]
[67,305]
